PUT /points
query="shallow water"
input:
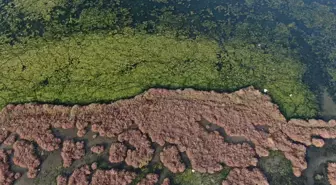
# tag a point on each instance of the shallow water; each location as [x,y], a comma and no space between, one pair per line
[230,139]
[319,157]
[328,107]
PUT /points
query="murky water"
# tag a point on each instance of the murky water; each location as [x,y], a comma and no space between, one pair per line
[230,139]
[328,107]
[318,158]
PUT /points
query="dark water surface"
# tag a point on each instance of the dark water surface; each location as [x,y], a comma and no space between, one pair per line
[328,106]
[318,158]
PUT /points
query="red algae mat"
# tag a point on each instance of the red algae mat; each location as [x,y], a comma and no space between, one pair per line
[170,118]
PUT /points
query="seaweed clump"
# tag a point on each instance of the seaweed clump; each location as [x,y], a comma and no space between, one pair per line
[80,176]
[97,149]
[72,151]
[61,180]
[150,179]
[112,177]
[170,157]
[117,152]
[143,152]
[24,156]
[6,175]
[3,135]
[332,173]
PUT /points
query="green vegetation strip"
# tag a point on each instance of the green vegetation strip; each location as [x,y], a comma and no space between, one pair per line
[190,177]
[102,67]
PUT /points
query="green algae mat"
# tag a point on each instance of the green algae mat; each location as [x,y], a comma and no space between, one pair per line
[105,66]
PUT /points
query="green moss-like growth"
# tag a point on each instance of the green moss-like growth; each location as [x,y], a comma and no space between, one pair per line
[189,177]
[103,67]
[303,29]
[278,170]
[37,8]
[245,64]
[332,73]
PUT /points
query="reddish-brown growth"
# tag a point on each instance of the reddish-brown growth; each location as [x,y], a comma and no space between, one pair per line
[303,131]
[143,152]
[24,156]
[318,142]
[166,181]
[6,176]
[17,175]
[10,140]
[117,152]
[61,180]
[97,149]
[72,151]
[151,179]
[94,166]
[81,133]
[115,122]
[3,135]
[33,122]
[112,177]
[173,117]
[245,177]
[80,176]
[170,157]
[332,173]
[9,151]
